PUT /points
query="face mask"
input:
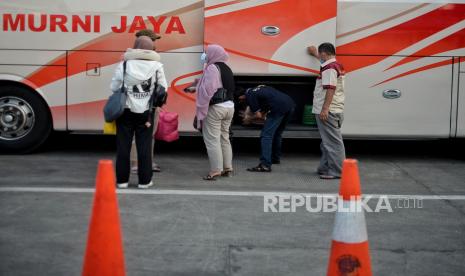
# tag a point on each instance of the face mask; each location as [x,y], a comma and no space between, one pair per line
[203,58]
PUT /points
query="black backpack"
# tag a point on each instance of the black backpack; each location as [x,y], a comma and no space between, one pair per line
[159,95]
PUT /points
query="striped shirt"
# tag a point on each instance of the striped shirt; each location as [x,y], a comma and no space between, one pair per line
[331,77]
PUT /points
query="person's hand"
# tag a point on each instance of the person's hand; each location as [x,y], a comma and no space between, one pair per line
[190,89]
[324,114]
[148,124]
[312,51]
[258,115]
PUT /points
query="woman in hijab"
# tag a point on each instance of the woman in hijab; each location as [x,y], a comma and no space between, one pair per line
[214,114]
[155,167]
[143,70]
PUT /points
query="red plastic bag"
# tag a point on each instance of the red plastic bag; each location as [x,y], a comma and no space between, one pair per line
[167,126]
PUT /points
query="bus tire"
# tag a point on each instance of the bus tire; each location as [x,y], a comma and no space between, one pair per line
[25,120]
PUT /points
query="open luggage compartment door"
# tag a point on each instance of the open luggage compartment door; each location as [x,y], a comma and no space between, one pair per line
[269,37]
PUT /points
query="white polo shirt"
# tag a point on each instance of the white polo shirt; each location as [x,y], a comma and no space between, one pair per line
[331,77]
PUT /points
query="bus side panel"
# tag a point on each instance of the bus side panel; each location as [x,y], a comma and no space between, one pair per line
[92,67]
[422,108]
[238,26]
[398,60]
[89,91]
[90,50]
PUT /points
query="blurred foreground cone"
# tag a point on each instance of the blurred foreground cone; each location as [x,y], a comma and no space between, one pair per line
[104,251]
[349,249]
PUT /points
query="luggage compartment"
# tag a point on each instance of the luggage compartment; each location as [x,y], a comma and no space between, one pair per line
[300,89]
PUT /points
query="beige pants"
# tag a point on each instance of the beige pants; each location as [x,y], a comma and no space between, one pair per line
[215,130]
[133,147]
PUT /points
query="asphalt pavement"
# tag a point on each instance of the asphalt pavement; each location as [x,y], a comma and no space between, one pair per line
[187,226]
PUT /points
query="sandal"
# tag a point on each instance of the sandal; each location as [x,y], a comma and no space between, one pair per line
[260,168]
[227,173]
[210,177]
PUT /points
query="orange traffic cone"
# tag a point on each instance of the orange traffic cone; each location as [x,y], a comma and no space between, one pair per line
[349,249]
[104,251]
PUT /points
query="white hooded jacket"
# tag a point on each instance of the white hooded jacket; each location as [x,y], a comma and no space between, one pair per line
[143,68]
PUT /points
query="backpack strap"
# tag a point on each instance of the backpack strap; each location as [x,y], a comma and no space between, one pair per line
[153,96]
[124,73]
[221,75]
[229,91]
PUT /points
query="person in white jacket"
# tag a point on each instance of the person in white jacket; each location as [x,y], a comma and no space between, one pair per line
[143,71]
[155,167]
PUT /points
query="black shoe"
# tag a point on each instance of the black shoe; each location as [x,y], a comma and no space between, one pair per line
[260,168]
[329,177]
[276,162]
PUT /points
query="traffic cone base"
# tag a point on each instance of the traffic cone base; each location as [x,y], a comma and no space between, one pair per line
[349,259]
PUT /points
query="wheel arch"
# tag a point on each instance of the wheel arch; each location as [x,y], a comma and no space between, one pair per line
[11,82]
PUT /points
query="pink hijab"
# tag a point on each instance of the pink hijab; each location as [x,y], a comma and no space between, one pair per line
[210,81]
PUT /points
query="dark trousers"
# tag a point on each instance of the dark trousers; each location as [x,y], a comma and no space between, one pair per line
[271,137]
[128,125]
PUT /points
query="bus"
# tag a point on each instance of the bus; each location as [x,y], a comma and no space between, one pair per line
[404,61]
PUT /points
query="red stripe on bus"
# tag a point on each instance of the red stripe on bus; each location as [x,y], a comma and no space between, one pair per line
[177,88]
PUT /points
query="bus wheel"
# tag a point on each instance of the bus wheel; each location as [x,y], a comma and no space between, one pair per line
[25,120]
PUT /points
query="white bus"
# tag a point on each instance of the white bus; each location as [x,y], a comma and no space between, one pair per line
[405,60]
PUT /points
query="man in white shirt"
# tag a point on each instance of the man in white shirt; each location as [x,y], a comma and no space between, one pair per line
[328,107]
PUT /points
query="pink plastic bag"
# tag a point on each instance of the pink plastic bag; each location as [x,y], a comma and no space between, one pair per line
[167,126]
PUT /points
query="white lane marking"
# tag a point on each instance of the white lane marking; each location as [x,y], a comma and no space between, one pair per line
[218,193]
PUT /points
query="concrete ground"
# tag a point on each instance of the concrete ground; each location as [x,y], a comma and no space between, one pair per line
[181,227]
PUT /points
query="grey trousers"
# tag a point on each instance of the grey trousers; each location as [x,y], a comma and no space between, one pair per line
[332,145]
[215,131]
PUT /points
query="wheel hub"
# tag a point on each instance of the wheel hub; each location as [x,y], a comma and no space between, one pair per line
[16,118]
[8,118]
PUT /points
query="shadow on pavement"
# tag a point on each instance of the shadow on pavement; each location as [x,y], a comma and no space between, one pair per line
[447,148]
